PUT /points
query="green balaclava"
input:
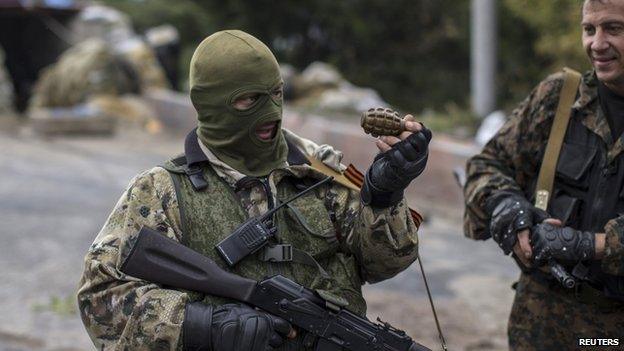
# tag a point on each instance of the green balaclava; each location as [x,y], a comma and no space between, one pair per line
[225,66]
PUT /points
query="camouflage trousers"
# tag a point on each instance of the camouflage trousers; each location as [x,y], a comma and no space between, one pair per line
[547,317]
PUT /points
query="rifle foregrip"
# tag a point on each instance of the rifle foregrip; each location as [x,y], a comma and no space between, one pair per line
[156,258]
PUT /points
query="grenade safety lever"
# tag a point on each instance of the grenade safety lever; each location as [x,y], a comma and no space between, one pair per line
[252,235]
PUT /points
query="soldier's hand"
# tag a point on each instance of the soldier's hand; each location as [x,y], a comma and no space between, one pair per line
[385,143]
[522,249]
[401,160]
[561,243]
[233,327]
[511,216]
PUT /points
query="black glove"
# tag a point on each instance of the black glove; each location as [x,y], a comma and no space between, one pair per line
[511,213]
[561,243]
[231,327]
[393,170]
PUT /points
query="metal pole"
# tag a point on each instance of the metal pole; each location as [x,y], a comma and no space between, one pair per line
[483,56]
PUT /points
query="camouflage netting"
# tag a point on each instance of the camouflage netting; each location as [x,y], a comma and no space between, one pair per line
[115,28]
[6,89]
[144,62]
[103,22]
[321,87]
[129,111]
[86,69]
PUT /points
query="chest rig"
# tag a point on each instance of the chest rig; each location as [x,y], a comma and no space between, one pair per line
[588,190]
[304,248]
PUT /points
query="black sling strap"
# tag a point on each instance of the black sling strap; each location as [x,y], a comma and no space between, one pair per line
[194,158]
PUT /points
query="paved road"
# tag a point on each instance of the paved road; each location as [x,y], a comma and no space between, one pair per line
[55,194]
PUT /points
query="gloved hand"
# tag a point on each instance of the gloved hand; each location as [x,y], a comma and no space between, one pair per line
[561,243]
[510,214]
[231,327]
[393,170]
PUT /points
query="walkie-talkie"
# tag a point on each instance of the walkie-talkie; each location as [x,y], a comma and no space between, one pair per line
[252,235]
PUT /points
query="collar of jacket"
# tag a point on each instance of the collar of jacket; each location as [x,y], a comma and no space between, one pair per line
[593,117]
[588,91]
[196,154]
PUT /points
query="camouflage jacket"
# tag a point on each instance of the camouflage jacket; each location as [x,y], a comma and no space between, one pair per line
[512,158]
[123,313]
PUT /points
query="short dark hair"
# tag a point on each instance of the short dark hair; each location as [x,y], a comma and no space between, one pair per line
[586,1]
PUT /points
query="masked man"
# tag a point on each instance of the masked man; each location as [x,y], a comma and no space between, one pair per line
[237,164]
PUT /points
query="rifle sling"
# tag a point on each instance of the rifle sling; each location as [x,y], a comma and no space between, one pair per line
[545,180]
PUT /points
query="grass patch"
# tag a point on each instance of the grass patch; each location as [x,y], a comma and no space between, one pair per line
[62,306]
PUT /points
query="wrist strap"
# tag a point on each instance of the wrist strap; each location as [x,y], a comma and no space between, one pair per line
[196,329]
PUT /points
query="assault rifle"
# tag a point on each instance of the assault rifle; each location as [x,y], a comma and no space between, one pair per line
[156,258]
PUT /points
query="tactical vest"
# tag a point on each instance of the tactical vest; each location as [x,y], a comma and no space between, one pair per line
[588,191]
[210,211]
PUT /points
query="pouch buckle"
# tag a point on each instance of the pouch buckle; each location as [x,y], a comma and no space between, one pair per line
[277,253]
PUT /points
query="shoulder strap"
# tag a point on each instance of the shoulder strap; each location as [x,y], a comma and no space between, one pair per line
[353,179]
[338,177]
[546,176]
[190,163]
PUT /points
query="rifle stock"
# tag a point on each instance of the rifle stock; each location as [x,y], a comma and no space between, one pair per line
[156,258]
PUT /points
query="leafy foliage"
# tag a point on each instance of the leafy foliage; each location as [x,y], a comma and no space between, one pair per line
[554,32]
[415,53]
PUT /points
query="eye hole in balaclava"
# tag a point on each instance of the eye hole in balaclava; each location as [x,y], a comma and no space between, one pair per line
[247,101]
[227,66]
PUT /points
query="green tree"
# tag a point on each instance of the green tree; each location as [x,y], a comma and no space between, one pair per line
[416,53]
[551,30]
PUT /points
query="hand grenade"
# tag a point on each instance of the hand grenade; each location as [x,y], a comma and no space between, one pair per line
[382,121]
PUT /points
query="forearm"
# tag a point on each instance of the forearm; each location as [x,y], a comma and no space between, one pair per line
[510,160]
[600,245]
[613,253]
[487,176]
[122,313]
[384,241]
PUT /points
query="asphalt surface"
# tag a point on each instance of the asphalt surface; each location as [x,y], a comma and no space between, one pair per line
[55,194]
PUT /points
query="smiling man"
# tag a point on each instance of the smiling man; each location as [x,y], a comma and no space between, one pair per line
[603,40]
[240,163]
[585,231]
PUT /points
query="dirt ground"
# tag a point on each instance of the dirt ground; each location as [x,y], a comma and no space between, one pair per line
[56,193]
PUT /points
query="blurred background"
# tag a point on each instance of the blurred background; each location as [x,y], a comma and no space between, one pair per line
[91,93]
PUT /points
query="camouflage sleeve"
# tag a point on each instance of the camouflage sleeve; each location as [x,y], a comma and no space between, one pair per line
[384,241]
[118,311]
[613,259]
[510,160]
